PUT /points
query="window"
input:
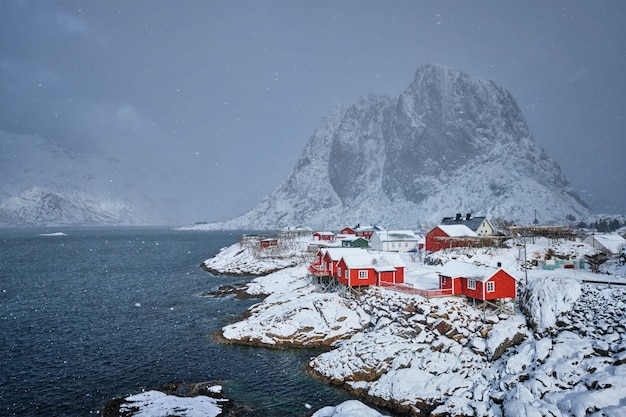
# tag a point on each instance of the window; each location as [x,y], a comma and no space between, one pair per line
[362,274]
[491,286]
[471,284]
[338,271]
[443,280]
[347,274]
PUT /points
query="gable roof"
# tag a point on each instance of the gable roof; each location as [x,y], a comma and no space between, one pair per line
[371,228]
[611,242]
[396,235]
[457,269]
[378,262]
[473,223]
[337,253]
[457,230]
[351,238]
[326,233]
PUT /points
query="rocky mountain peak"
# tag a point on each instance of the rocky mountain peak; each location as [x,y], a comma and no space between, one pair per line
[449,143]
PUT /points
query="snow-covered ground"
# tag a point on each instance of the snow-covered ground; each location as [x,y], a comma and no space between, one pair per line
[559,350]
[246,257]
[444,356]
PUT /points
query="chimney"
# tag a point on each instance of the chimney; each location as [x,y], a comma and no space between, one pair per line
[468,216]
[499,264]
[458,217]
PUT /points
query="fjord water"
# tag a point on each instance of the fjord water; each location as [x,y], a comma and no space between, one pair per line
[101,313]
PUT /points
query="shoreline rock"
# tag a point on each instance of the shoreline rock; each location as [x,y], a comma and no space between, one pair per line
[122,407]
[238,290]
[238,273]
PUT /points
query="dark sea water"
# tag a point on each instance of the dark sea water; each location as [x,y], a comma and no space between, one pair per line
[103,313]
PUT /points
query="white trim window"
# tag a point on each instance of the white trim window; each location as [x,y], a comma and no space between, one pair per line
[491,286]
[363,274]
[338,271]
[471,284]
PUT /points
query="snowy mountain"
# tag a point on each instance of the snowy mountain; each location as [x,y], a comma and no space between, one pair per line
[450,143]
[44,185]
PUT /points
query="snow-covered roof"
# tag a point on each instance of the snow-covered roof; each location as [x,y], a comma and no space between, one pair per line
[325,233]
[337,253]
[380,262]
[350,238]
[611,242]
[457,230]
[455,269]
[367,228]
[396,235]
[473,222]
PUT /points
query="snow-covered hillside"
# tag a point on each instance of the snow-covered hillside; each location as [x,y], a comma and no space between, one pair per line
[450,143]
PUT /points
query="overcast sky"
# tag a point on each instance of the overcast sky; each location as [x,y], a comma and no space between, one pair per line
[217,99]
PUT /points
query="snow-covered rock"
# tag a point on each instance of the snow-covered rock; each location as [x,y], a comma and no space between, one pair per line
[247,257]
[446,357]
[544,300]
[351,408]
[158,404]
[296,313]
[183,400]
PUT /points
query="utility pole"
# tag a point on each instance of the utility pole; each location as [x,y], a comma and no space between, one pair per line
[525,264]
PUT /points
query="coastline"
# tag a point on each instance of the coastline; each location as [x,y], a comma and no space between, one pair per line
[417,356]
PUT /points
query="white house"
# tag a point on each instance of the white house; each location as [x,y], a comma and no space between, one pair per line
[610,244]
[394,240]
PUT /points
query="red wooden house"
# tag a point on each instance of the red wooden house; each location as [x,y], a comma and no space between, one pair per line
[364,268]
[361,231]
[327,236]
[436,238]
[326,260]
[478,282]
[268,242]
[348,231]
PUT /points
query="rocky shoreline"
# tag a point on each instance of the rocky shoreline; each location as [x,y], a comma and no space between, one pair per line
[416,356]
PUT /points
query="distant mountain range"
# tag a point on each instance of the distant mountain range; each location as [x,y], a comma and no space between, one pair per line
[450,143]
[44,185]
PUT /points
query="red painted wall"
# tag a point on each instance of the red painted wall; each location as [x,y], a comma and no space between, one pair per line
[465,290]
[432,244]
[355,281]
[504,284]
[392,277]
[332,265]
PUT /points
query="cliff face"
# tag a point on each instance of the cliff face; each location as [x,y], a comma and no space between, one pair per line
[450,143]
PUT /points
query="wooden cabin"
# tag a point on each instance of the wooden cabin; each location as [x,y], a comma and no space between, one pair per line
[268,242]
[436,238]
[325,236]
[478,282]
[364,269]
[326,260]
